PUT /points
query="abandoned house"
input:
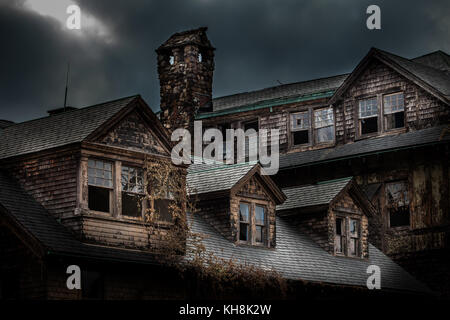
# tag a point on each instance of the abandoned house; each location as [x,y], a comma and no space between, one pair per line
[363,181]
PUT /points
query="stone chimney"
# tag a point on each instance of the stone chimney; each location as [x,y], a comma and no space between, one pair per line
[185,68]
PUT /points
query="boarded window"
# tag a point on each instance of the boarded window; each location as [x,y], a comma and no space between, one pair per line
[397,202]
[394,115]
[368,116]
[300,126]
[324,125]
[244,221]
[100,185]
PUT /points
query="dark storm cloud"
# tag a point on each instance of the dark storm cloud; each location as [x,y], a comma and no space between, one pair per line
[258,43]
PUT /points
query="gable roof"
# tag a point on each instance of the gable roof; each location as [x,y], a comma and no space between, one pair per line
[434,81]
[313,195]
[67,128]
[50,234]
[214,177]
[413,139]
[297,257]
[437,59]
[273,96]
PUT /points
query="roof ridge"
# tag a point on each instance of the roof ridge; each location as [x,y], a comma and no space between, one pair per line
[234,165]
[430,53]
[282,85]
[74,110]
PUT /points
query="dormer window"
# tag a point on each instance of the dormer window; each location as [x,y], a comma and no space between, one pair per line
[394,111]
[324,125]
[132,191]
[347,236]
[368,116]
[252,223]
[100,185]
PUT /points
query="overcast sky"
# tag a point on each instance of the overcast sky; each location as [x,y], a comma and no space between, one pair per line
[259,44]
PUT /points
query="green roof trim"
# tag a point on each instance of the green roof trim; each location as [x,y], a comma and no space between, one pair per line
[266,104]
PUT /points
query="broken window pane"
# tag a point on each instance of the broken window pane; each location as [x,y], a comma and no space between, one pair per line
[300,121]
[397,202]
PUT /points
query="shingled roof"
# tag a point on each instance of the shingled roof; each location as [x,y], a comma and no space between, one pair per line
[437,79]
[313,195]
[413,139]
[286,93]
[296,256]
[213,177]
[57,130]
[437,59]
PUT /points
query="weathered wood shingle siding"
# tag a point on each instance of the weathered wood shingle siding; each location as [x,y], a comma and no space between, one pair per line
[421,108]
[51,179]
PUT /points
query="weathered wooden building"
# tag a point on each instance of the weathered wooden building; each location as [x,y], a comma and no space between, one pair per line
[363,176]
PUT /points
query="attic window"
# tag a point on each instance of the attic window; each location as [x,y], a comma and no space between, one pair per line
[300,126]
[368,116]
[323,125]
[99,185]
[398,204]
[171,60]
[132,191]
[252,223]
[394,111]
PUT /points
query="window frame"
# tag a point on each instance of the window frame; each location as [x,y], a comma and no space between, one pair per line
[109,188]
[388,209]
[138,194]
[384,114]
[312,130]
[315,128]
[358,113]
[346,236]
[251,225]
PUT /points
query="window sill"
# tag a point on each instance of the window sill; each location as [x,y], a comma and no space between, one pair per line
[126,219]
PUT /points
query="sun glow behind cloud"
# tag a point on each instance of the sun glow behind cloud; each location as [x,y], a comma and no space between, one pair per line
[90,25]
